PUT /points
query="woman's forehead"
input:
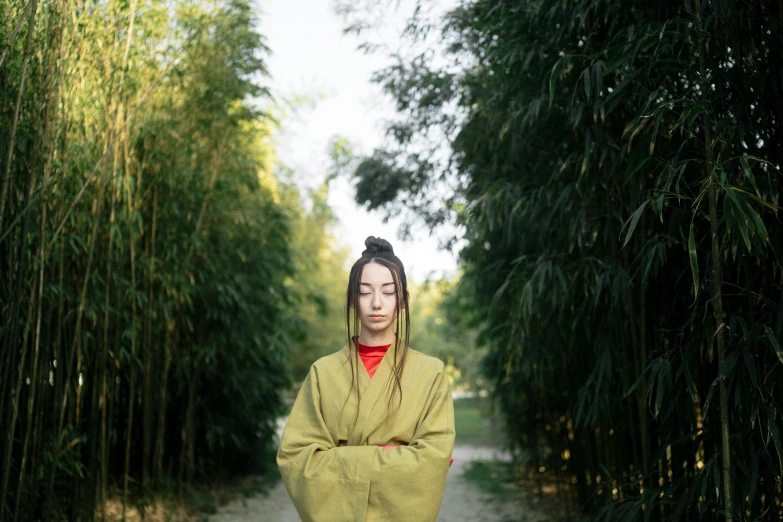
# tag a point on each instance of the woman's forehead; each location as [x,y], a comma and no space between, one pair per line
[376,274]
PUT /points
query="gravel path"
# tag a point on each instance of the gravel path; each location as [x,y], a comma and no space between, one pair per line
[462,502]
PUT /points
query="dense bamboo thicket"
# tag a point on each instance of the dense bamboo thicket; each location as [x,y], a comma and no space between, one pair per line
[318,289]
[616,168]
[143,252]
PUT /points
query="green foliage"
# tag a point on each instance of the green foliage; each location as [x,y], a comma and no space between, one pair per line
[585,143]
[144,253]
[316,323]
[494,477]
[440,328]
[476,423]
[202,502]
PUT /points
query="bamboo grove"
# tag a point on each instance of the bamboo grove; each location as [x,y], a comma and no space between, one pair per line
[615,167]
[143,253]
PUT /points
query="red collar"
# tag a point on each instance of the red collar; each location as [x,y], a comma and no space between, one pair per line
[373,350]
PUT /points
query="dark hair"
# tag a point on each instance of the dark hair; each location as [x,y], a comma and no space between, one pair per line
[381,252]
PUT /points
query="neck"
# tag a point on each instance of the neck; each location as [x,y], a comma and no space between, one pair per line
[383,338]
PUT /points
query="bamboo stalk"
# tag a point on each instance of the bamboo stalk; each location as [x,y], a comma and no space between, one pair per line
[147,399]
[15,121]
[76,338]
[13,401]
[101,494]
[120,133]
[57,356]
[10,359]
[50,122]
[37,442]
[101,369]
[187,456]
[148,362]
[133,336]
[157,459]
[132,401]
[33,384]
[14,411]
[15,32]
[717,301]
[210,187]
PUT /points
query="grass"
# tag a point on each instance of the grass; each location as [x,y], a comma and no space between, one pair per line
[506,481]
[475,423]
[194,504]
[495,477]
[502,481]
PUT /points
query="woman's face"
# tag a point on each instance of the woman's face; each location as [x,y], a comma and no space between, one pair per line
[377,298]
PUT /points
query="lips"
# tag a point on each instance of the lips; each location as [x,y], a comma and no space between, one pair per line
[376,317]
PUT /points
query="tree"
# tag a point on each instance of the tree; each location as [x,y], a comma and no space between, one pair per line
[604,159]
[318,321]
[143,254]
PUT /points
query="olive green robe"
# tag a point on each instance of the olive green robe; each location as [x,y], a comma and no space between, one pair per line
[337,472]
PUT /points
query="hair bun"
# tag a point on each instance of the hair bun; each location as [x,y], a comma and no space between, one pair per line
[376,245]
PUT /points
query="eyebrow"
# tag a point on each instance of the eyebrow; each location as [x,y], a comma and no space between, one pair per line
[384,284]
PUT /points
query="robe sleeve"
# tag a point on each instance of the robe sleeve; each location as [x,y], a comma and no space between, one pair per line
[328,483]
[325,482]
[408,482]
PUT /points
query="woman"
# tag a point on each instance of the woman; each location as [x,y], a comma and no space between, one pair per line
[370,435]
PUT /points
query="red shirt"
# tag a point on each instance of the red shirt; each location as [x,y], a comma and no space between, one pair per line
[371,356]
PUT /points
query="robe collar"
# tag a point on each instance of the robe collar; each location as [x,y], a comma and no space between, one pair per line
[373,398]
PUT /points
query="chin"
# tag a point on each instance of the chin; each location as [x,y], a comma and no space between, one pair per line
[375,327]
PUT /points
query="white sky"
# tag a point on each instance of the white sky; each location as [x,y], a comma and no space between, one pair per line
[310,54]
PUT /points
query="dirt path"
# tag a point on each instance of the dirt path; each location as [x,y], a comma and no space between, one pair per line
[462,502]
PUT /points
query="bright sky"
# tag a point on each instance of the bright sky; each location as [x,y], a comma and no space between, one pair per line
[310,54]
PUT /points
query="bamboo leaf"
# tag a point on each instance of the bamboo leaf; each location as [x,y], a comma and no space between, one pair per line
[691,386]
[638,167]
[750,365]
[761,230]
[662,373]
[693,256]
[754,197]
[705,475]
[754,473]
[638,380]
[553,76]
[749,174]
[586,83]
[709,397]
[773,429]
[728,364]
[739,217]
[716,480]
[655,132]
[774,343]
[634,220]
[599,77]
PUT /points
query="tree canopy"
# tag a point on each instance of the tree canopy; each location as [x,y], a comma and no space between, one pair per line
[615,169]
[144,252]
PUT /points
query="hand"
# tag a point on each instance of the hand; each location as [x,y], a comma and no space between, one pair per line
[389,447]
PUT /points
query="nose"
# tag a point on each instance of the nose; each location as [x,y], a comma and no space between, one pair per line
[376,301]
